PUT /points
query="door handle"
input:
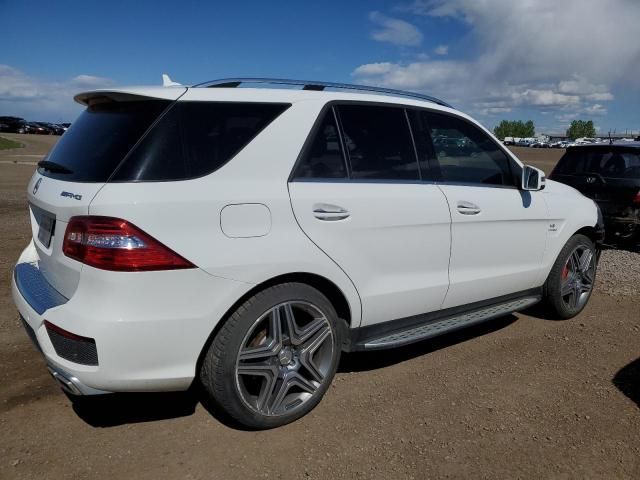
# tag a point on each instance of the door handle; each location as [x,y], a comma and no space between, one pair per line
[468,208]
[328,212]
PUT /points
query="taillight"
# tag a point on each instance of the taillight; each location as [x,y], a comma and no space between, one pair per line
[114,244]
[636,199]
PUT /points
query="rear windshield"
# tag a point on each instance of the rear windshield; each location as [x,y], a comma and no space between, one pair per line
[608,163]
[189,140]
[91,149]
[194,139]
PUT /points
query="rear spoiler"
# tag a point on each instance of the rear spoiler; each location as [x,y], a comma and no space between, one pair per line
[129,94]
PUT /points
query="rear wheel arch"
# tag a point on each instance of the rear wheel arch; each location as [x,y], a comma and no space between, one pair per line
[325,286]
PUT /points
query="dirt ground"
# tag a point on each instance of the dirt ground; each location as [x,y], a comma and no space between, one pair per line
[520,397]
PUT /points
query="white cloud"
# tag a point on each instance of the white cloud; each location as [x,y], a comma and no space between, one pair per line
[41,99]
[543,54]
[596,109]
[395,31]
[441,50]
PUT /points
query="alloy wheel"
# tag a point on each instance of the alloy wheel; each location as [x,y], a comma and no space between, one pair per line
[578,276]
[284,358]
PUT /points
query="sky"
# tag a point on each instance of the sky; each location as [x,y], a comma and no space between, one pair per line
[549,61]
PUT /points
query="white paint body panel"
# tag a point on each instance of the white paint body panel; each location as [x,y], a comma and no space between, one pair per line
[499,250]
[394,245]
[390,258]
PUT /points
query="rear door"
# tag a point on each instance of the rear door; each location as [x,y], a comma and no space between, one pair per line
[498,233]
[358,194]
[75,170]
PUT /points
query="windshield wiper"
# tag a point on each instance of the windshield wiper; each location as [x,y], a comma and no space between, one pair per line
[53,167]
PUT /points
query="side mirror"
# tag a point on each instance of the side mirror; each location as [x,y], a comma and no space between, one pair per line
[533,179]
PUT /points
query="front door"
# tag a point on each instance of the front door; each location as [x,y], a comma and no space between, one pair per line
[498,232]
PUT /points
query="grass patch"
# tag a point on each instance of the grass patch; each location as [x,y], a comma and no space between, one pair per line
[6,144]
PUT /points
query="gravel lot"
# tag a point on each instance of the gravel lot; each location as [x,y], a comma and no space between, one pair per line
[520,397]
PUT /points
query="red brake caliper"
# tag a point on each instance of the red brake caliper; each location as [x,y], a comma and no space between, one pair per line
[565,271]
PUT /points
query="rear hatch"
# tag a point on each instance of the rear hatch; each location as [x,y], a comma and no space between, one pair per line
[75,170]
[609,174]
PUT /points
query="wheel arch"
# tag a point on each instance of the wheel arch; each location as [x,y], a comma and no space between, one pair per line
[328,288]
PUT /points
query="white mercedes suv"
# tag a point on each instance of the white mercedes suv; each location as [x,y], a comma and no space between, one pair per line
[242,238]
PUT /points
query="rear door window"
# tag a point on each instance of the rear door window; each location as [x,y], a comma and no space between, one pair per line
[194,139]
[464,153]
[91,149]
[378,142]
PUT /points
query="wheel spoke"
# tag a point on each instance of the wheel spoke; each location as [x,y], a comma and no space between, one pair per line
[567,288]
[268,372]
[575,261]
[272,347]
[310,348]
[299,335]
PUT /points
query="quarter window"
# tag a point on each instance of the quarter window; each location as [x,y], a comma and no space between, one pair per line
[378,143]
[324,158]
[194,139]
[465,154]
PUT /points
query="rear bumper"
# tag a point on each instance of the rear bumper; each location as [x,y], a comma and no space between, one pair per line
[149,327]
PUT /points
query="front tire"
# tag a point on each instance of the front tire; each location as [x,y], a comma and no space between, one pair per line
[274,358]
[571,280]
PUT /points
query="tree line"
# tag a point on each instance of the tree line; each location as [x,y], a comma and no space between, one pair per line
[515,128]
[520,129]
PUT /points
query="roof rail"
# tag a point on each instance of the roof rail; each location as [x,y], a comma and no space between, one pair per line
[318,86]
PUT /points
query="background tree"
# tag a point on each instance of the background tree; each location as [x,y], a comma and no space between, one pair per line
[580,129]
[515,128]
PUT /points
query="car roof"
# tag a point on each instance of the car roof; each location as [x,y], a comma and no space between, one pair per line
[607,146]
[276,90]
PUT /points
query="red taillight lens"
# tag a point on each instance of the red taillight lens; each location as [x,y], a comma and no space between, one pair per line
[636,199]
[114,244]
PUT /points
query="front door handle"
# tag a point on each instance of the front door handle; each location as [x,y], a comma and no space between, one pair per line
[468,208]
[330,213]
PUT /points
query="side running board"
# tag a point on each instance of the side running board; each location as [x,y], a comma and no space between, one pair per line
[432,327]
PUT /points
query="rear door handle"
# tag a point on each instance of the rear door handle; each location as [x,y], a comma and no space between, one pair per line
[328,212]
[468,208]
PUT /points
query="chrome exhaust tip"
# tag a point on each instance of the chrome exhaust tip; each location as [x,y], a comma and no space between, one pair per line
[67,384]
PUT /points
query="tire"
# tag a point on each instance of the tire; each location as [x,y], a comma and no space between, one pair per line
[263,379]
[570,282]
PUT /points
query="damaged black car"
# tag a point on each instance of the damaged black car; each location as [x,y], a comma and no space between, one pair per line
[610,175]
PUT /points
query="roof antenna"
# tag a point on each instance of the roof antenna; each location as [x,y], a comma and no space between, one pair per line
[167,82]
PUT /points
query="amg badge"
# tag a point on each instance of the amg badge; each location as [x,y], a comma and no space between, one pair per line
[71,195]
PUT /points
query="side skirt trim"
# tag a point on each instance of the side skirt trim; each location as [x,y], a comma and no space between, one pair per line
[404,331]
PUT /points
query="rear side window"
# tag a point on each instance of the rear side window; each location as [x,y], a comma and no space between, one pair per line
[324,158]
[194,139]
[616,163]
[378,143]
[465,154]
[100,138]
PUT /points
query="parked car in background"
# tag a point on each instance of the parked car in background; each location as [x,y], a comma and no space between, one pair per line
[539,144]
[609,174]
[13,124]
[508,141]
[37,128]
[242,238]
[54,128]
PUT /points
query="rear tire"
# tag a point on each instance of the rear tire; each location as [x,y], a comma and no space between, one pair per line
[571,280]
[274,358]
